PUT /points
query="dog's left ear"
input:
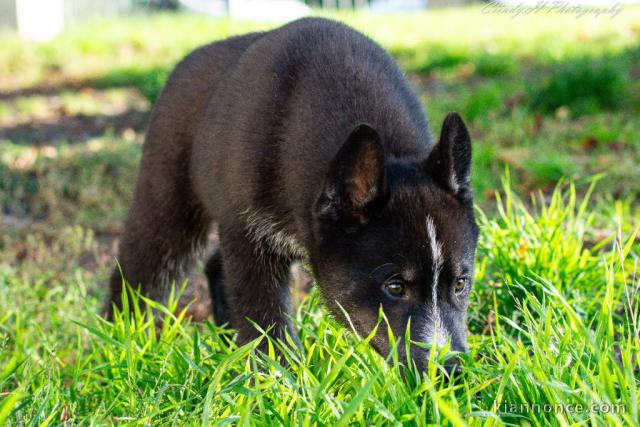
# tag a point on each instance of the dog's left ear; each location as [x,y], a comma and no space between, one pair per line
[449,163]
[356,184]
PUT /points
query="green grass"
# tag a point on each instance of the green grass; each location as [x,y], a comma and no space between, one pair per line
[554,316]
[553,323]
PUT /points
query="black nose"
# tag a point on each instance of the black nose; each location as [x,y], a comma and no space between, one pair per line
[453,368]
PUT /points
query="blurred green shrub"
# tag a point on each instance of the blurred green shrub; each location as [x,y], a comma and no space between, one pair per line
[149,81]
[495,65]
[583,85]
[483,100]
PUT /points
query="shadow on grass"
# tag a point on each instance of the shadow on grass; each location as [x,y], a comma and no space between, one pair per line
[84,184]
[76,128]
[149,81]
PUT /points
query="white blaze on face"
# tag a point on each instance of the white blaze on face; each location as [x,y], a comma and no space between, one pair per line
[435,329]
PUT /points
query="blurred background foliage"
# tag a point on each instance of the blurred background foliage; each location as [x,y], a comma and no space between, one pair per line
[551,98]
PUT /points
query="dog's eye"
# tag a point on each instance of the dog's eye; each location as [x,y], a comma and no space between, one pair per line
[460,285]
[394,287]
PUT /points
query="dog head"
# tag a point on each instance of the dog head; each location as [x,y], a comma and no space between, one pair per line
[399,235]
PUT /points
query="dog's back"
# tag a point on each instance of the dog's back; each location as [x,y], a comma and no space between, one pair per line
[282,111]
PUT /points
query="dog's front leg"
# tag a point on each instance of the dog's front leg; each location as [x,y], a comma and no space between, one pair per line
[256,286]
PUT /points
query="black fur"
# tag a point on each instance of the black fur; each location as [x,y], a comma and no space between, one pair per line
[215,275]
[304,142]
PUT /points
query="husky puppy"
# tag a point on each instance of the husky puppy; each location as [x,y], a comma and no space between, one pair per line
[305,142]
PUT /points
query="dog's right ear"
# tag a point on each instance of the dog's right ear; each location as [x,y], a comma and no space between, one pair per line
[449,163]
[356,184]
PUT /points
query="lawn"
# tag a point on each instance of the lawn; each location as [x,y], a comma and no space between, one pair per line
[553,106]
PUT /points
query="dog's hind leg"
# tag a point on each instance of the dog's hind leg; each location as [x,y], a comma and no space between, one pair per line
[164,233]
[167,225]
[215,276]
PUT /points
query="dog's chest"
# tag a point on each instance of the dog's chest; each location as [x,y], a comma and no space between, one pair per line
[268,233]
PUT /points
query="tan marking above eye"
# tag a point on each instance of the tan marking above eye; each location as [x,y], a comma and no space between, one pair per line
[410,274]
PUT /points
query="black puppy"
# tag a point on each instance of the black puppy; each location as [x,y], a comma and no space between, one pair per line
[305,142]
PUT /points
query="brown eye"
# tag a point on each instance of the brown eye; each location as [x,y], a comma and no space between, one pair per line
[460,286]
[394,287]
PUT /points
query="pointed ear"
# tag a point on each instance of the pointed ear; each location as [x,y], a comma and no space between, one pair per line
[356,183]
[449,163]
